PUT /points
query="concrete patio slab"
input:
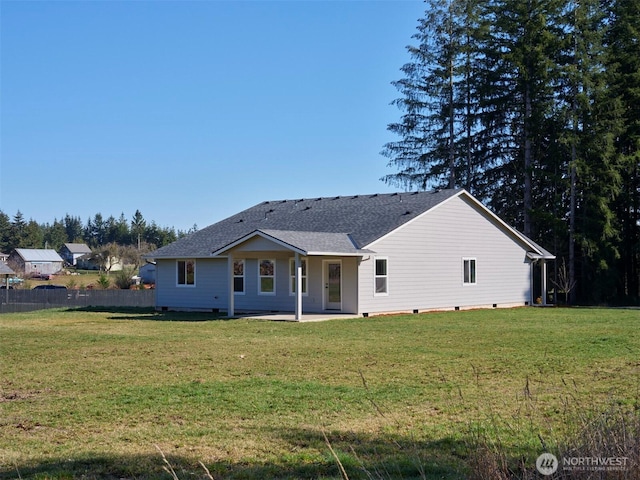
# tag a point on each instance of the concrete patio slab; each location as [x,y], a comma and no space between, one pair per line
[290,316]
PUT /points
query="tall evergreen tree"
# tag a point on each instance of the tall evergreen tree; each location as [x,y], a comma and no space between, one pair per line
[436,101]
[588,124]
[5,233]
[18,231]
[517,80]
[33,236]
[73,227]
[55,235]
[138,227]
[95,232]
[623,42]
[534,106]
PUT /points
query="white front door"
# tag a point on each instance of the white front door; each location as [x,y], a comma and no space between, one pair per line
[332,285]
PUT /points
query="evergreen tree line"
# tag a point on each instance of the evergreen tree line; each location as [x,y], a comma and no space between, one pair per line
[97,232]
[534,107]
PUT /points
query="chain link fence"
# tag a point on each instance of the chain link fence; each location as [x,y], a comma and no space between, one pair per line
[28,300]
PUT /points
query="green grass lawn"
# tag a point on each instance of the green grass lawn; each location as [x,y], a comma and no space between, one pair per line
[101,394]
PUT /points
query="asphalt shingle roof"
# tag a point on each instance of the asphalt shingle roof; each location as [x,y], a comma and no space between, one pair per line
[364,218]
[308,243]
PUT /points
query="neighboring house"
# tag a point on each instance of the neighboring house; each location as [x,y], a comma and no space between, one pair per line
[90,262]
[71,252]
[147,273]
[360,254]
[4,257]
[35,261]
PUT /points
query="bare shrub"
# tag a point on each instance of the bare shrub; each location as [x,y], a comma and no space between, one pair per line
[605,445]
[122,278]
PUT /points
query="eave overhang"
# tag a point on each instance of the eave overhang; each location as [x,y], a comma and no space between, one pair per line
[303,243]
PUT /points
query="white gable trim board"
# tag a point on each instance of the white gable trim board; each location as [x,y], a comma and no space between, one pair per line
[456,254]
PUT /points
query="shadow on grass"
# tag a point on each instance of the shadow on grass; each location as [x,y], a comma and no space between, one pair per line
[149,313]
[363,456]
[384,455]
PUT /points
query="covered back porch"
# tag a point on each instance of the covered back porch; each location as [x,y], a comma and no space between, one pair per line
[289,273]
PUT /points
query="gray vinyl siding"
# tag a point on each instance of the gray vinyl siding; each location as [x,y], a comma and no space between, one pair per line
[283,300]
[211,287]
[425,263]
[209,291]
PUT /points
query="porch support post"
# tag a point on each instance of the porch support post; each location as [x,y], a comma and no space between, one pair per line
[544,282]
[231,299]
[532,293]
[298,265]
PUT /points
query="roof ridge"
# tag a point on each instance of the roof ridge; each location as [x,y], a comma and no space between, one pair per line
[354,196]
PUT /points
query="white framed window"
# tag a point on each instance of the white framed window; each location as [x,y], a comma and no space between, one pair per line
[238,277]
[186,272]
[381,276]
[292,276]
[468,271]
[266,277]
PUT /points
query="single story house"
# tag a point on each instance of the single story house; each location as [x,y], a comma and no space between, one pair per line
[361,254]
[71,252]
[93,262]
[147,273]
[35,261]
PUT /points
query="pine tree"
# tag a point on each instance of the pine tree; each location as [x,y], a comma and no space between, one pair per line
[517,78]
[18,230]
[436,101]
[138,227]
[624,70]
[5,233]
[33,235]
[588,126]
[534,106]
[55,235]
[73,227]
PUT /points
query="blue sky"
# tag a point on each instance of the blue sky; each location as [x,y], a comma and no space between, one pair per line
[193,110]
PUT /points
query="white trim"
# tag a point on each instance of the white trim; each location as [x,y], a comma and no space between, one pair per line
[527,242]
[243,276]
[325,282]
[185,285]
[376,276]
[292,263]
[475,271]
[297,266]
[273,261]
[288,246]
[360,253]
[230,295]
[257,233]
[414,219]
